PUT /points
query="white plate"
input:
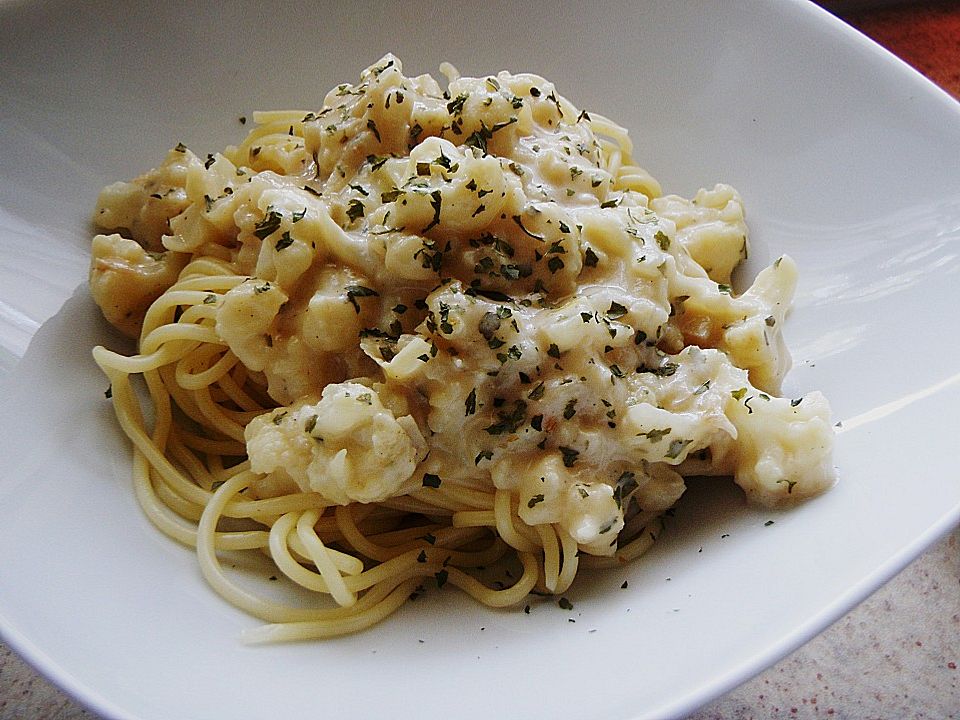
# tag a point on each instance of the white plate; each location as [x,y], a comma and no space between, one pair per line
[846,158]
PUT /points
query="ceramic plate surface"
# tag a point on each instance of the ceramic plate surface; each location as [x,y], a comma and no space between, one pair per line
[846,160]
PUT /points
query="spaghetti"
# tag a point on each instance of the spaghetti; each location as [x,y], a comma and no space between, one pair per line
[422,331]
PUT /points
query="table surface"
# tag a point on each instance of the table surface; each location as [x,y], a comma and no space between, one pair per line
[894,656]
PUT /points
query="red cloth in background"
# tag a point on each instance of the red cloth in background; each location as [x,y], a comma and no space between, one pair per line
[926,35]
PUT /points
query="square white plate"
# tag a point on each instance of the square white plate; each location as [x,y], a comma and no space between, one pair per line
[846,159]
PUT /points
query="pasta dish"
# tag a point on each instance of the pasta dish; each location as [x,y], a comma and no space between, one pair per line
[423,330]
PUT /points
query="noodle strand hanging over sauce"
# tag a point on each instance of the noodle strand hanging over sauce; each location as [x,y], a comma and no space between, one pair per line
[421,330]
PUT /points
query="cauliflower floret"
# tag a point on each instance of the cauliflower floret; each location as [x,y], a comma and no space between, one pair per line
[125,279]
[710,227]
[448,195]
[347,447]
[756,344]
[245,320]
[143,207]
[660,489]
[541,486]
[592,516]
[784,447]
[550,493]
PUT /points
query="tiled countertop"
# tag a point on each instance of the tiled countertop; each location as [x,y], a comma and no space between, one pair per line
[894,656]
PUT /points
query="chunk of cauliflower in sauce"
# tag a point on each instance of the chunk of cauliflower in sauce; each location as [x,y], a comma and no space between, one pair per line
[125,279]
[347,447]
